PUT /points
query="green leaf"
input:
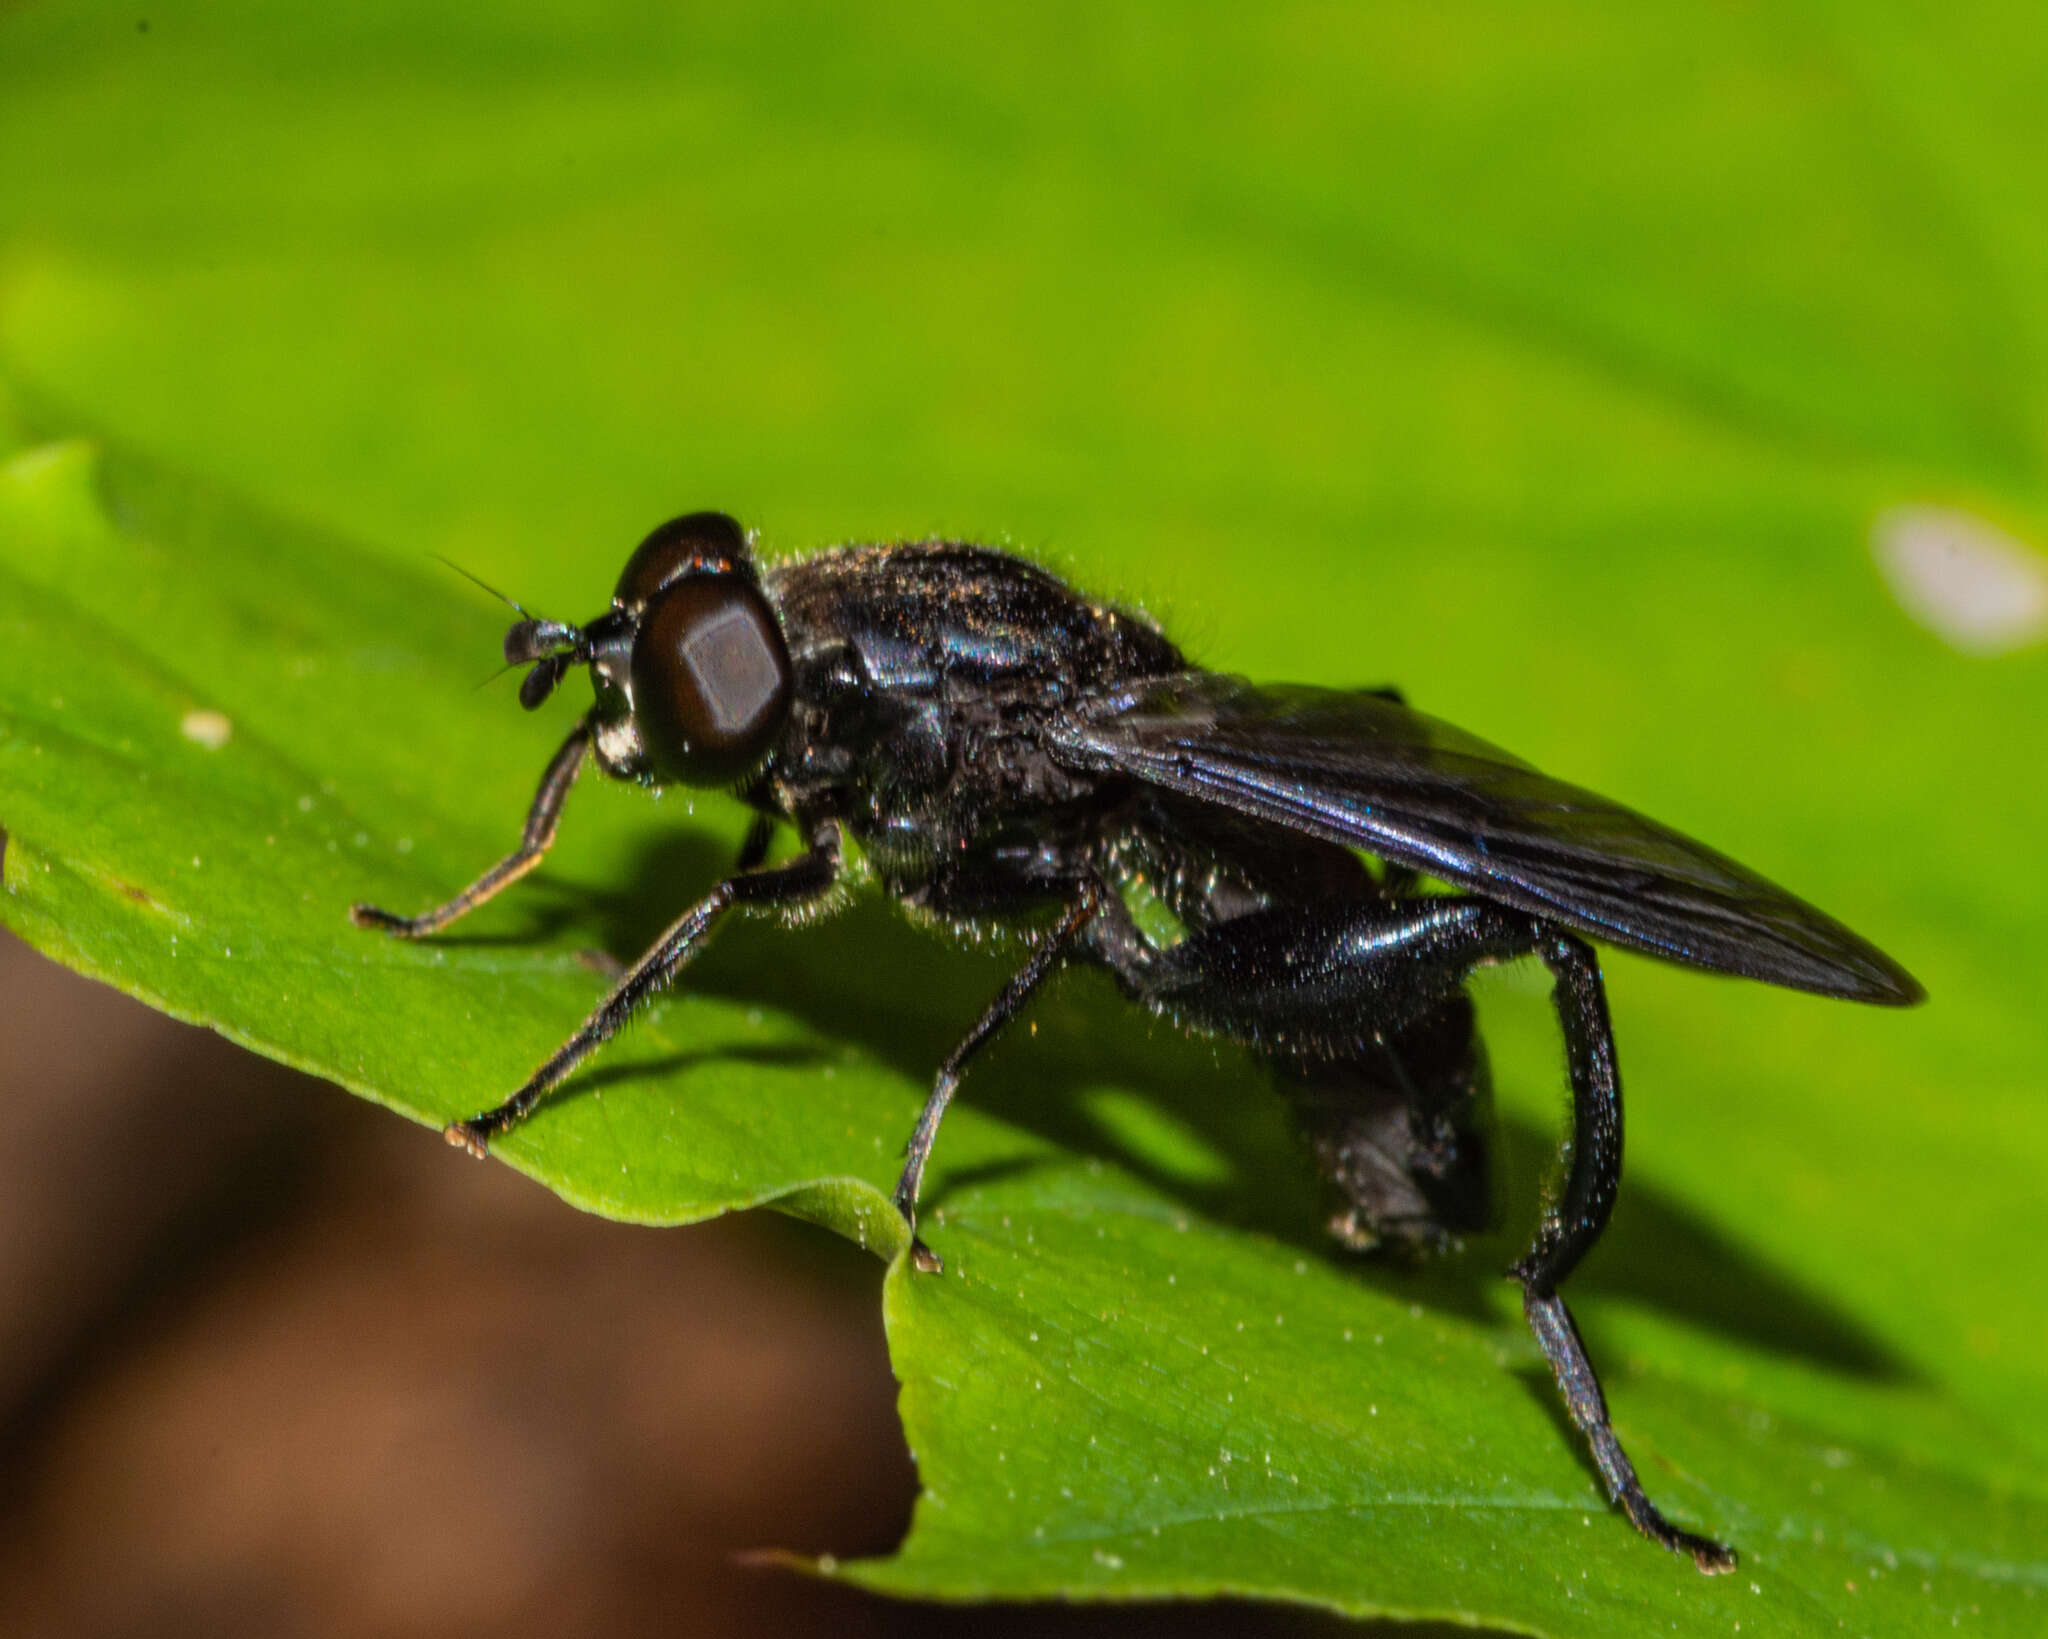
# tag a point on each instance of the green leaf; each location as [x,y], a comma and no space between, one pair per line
[1554,367]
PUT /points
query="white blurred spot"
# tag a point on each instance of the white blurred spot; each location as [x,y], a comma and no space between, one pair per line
[1970,584]
[207,728]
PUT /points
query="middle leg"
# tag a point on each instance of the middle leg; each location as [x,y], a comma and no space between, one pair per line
[1051,954]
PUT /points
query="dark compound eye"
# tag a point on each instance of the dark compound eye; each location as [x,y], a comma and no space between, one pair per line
[710,679]
[698,541]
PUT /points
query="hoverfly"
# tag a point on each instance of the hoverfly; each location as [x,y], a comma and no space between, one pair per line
[1004,749]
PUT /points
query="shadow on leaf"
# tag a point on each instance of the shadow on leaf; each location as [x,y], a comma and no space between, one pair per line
[1658,1253]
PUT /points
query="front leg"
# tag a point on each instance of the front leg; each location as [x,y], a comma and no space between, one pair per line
[1322,983]
[802,879]
[534,842]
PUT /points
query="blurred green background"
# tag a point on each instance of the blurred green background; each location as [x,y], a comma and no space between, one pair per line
[1557,365]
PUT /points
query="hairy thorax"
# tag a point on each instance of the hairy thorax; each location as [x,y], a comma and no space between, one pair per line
[942,664]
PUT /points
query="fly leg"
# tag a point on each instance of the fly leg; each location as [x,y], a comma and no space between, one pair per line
[1048,958]
[1326,982]
[753,854]
[534,841]
[803,878]
[1569,1233]
[754,850]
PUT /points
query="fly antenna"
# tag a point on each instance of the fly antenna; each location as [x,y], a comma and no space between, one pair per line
[486,585]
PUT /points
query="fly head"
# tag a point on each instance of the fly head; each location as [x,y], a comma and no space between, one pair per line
[689,666]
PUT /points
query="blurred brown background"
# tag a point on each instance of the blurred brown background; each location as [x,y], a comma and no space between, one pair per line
[275,1361]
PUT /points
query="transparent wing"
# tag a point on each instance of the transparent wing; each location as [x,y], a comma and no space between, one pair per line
[1366,771]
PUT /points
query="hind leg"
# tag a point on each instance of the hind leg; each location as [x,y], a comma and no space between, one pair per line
[1322,983]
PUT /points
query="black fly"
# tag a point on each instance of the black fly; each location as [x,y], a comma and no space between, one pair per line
[1001,747]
